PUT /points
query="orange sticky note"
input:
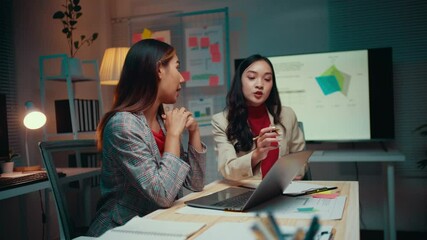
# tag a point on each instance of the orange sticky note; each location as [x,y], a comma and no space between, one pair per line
[204,42]
[186,75]
[192,42]
[213,80]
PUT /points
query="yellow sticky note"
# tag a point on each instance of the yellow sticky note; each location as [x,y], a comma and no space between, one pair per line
[146,33]
[325,192]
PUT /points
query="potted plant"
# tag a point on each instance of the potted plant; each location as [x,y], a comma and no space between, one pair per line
[69,16]
[7,166]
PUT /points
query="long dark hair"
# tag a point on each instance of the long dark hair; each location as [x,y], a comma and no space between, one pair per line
[139,79]
[238,127]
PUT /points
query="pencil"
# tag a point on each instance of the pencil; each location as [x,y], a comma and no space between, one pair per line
[274,130]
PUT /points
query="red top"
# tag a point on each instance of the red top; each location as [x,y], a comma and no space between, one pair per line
[258,119]
[160,140]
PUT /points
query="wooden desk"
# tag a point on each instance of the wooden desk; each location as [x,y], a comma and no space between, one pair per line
[387,158]
[72,174]
[346,228]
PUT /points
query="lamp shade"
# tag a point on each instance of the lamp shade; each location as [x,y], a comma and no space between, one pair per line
[33,119]
[111,66]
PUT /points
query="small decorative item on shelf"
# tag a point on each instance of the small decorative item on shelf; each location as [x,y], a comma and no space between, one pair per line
[69,17]
[7,166]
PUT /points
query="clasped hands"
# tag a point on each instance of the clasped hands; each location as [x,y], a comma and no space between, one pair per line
[178,119]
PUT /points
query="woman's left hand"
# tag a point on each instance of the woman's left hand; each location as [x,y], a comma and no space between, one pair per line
[191,124]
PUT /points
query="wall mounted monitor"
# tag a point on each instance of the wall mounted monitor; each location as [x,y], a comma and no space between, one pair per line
[339,96]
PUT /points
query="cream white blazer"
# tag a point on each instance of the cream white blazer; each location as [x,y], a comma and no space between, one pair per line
[237,166]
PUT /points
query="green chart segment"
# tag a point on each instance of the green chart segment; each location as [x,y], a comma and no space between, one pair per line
[331,81]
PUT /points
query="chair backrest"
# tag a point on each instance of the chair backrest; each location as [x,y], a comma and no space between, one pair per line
[46,149]
[307,175]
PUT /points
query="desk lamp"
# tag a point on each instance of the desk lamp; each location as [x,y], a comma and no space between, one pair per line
[112,64]
[33,119]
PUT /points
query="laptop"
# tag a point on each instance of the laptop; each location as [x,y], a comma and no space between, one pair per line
[274,183]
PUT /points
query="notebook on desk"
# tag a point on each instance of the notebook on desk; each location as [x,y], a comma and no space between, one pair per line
[240,199]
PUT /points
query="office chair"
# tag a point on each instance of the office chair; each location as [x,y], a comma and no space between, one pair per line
[67,228]
[307,175]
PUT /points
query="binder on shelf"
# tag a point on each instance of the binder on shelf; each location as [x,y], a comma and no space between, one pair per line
[87,115]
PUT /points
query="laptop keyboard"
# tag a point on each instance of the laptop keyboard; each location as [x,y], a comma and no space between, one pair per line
[10,182]
[236,201]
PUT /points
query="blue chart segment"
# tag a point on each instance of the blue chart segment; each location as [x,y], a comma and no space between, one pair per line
[333,80]
[328,84]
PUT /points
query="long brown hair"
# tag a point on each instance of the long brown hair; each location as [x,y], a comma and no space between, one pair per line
[139,79]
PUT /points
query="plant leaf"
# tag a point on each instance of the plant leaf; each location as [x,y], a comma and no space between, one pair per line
[422,163]
[77,8]
[76,2]
[82,37]
[73,22]
[94,36]
[79,15]
[65,30]
[70,7]
[420,127]
[76,44]
[58,15]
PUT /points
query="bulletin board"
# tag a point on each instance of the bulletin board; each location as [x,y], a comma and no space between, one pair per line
[201,40]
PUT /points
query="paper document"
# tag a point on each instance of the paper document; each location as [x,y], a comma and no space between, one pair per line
[238,230]
[145,228]
[306,207]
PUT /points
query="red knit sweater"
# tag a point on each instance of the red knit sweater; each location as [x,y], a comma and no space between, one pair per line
[160,140]
[258,119]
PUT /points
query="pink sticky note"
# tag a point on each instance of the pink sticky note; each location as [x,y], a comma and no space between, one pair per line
[216,57]
[162,39]
[214,48]
[328,196]
[192,42]
[204,42]
[213,80]
[186,75]
[136,37]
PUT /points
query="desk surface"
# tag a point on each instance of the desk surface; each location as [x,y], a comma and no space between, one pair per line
[357,156]
[346,228]
[72,174]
